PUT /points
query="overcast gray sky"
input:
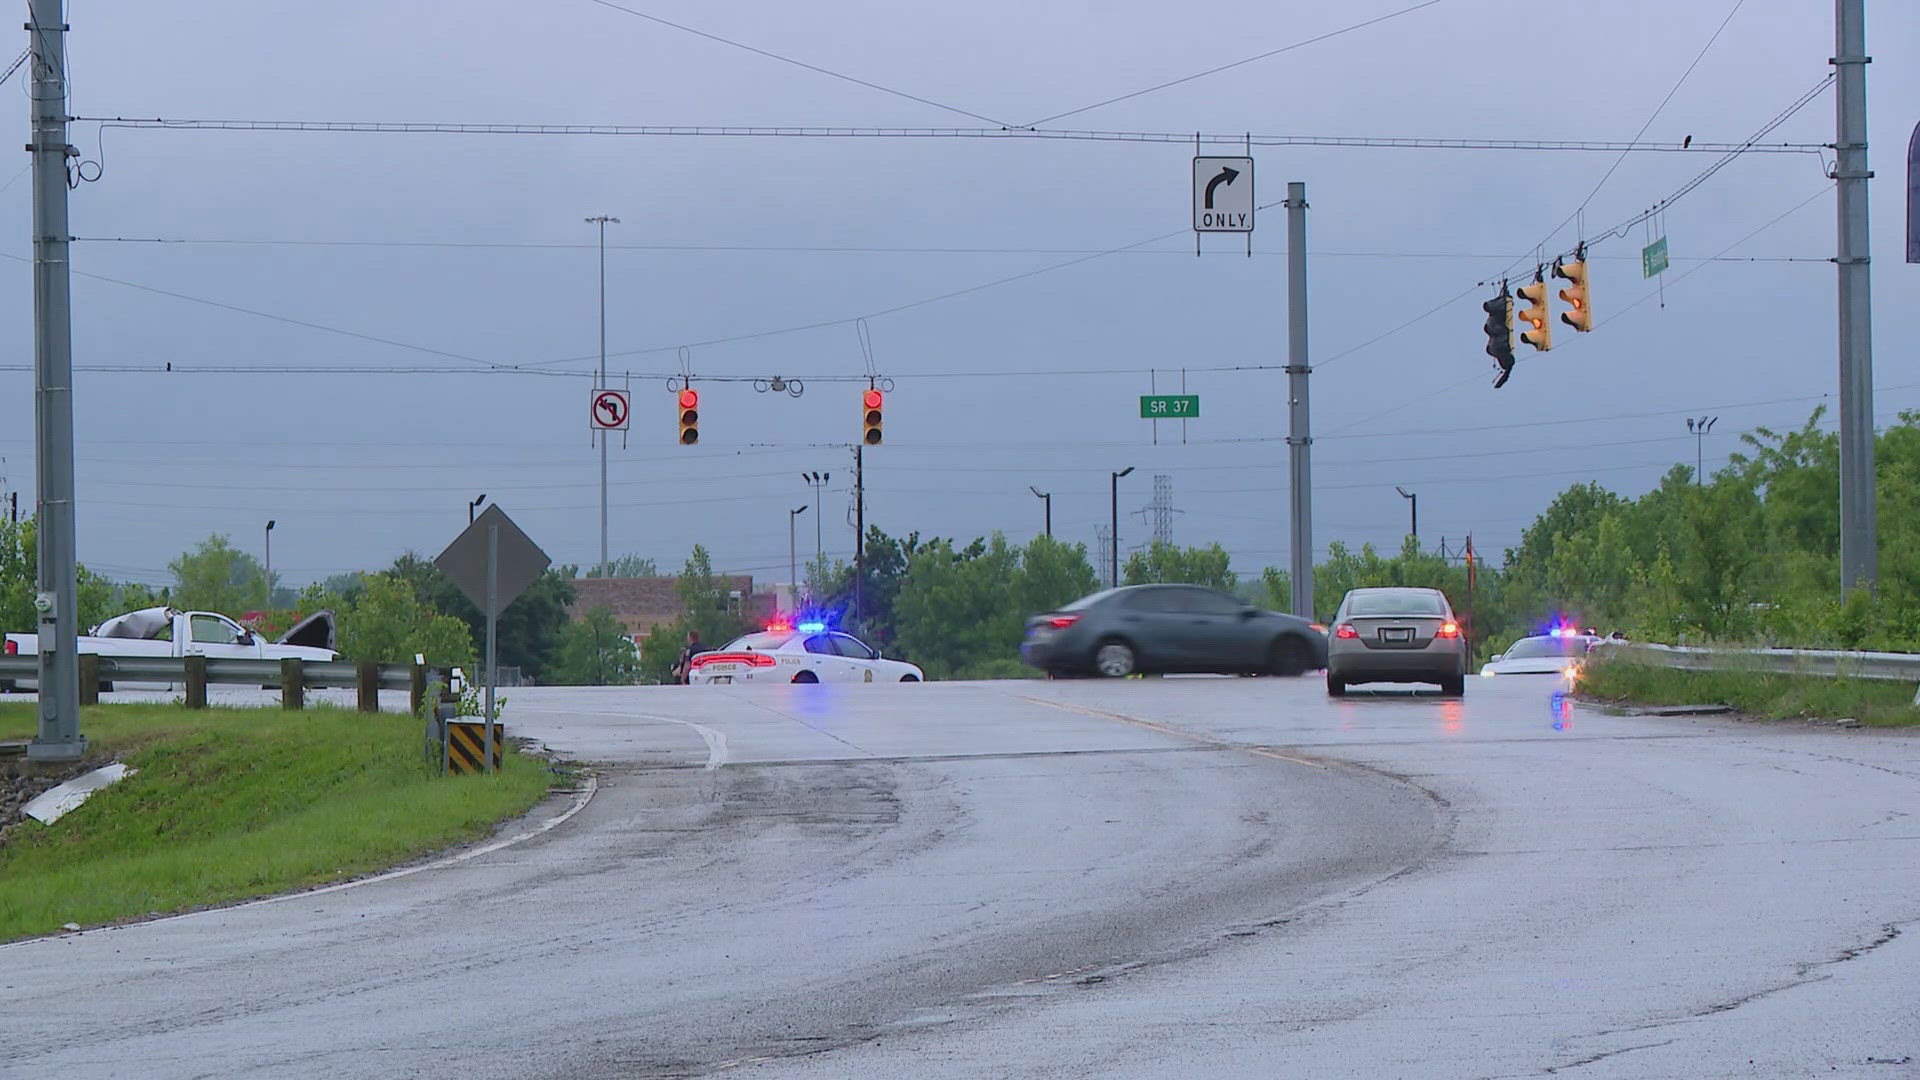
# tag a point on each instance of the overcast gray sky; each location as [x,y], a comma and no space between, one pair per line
[474,245]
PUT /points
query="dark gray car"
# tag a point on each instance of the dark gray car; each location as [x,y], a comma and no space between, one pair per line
[1170,628]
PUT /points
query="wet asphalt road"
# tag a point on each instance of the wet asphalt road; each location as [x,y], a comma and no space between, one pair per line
[1148,878]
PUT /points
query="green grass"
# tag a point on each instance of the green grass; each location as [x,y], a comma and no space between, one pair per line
[1879,702]
[236,803]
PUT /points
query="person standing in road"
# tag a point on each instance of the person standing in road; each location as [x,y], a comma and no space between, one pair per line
[683,667]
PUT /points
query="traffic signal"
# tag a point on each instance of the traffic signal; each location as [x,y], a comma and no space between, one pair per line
[1575,294]
[1500,333]
[1539,333]
[689,416]
[870,420]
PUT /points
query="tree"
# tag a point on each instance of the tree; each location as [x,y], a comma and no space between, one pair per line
[595,651]
[20,577]
[216,576]
[528,629]
[390,622]
[626,566]
[961,612]
[1054,572]
[1164,562]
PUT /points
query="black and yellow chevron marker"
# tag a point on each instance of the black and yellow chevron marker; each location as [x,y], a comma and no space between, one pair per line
[466,742]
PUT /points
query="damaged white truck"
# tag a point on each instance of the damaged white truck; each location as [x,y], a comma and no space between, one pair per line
[164,631]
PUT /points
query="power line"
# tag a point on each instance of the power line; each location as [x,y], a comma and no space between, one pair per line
[1235,64]
[1188,138]
[790,60]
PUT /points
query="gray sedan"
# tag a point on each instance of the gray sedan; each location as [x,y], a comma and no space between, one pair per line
[1396,635]
[1170,628]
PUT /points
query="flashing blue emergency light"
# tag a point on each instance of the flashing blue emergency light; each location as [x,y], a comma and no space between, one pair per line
[810,627]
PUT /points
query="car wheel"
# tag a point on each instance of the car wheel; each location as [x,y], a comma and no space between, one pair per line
[1288,657]
[1454,686]
[806,677]
[909,678]
[1336,686]
[1113,659]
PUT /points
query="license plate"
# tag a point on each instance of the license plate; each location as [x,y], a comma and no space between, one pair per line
[1397,634]
[722,678]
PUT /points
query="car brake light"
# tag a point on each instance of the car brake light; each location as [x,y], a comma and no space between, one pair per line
[1448,629]
[1345,630]
[1318,628]
[13,648]
[753,659]
[1061,622]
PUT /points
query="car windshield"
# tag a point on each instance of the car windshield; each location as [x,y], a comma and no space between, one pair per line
[1527,648]
[765,641]
[1396,602]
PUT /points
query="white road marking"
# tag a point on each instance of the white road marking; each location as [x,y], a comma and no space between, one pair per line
[716,740]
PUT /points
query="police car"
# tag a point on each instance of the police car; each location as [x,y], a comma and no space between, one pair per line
[1559,651]
[806,652]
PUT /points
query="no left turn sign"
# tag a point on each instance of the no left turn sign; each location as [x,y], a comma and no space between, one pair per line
[611,410]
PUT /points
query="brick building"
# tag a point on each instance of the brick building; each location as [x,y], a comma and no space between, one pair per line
[640,604]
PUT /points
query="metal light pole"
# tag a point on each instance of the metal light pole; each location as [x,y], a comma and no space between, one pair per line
[603,221]
[474,505]
[793,563]
[269,569]
[1114,525]
[1413,524]
[58,737]
[1299,425]
[1859,550]
[1047,497]
[817,480]
[1700,428]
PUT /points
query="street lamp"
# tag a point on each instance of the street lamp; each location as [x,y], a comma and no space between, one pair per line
[474,505]
[793,564]
[269,570]
[1413,509]
[816,480]
[1700,428]
[1047,496]
[1113,529]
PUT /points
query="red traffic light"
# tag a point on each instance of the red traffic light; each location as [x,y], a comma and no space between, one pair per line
[873,399]
[689,398]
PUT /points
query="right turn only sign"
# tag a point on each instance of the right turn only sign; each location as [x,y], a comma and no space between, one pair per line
[1223,194]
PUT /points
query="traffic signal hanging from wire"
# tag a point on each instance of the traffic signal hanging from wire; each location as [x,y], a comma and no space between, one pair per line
[1538,332]
[1575,294]
[689,416]
[871,402]
[1500,333]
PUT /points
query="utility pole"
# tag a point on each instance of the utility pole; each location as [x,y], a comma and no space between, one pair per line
[793,563]
[602,221]
[1859,543]
[1047,497]
[1700,428]
[1299,426]
[58,738]
[269,567]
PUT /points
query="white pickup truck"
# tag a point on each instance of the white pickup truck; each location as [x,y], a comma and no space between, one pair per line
[163,631]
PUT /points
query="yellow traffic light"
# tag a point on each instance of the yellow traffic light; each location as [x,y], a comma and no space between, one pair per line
[1538,332]
[1575,294]
[870,417]
[689,416]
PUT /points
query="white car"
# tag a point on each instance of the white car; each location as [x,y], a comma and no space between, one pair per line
[807,653]
[1542,654]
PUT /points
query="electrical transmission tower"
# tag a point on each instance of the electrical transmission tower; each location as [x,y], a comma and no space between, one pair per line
[1105,537]
[1159,511]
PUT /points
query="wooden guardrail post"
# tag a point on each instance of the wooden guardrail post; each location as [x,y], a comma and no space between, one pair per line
[416,686]
[369,685]
[89,679]
[293,684]
[196,681]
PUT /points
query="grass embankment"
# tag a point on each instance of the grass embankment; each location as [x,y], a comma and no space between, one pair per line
[1879,702]
[235,803]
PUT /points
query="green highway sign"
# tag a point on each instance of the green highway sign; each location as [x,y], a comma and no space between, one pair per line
[1653,258]
[1169,406]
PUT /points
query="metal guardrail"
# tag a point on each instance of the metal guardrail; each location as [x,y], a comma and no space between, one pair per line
[291,676]
[1828,663]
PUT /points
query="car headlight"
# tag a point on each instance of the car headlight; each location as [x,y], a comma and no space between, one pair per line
[1486,671]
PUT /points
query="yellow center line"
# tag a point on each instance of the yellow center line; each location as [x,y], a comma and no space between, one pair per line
[1177,733]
